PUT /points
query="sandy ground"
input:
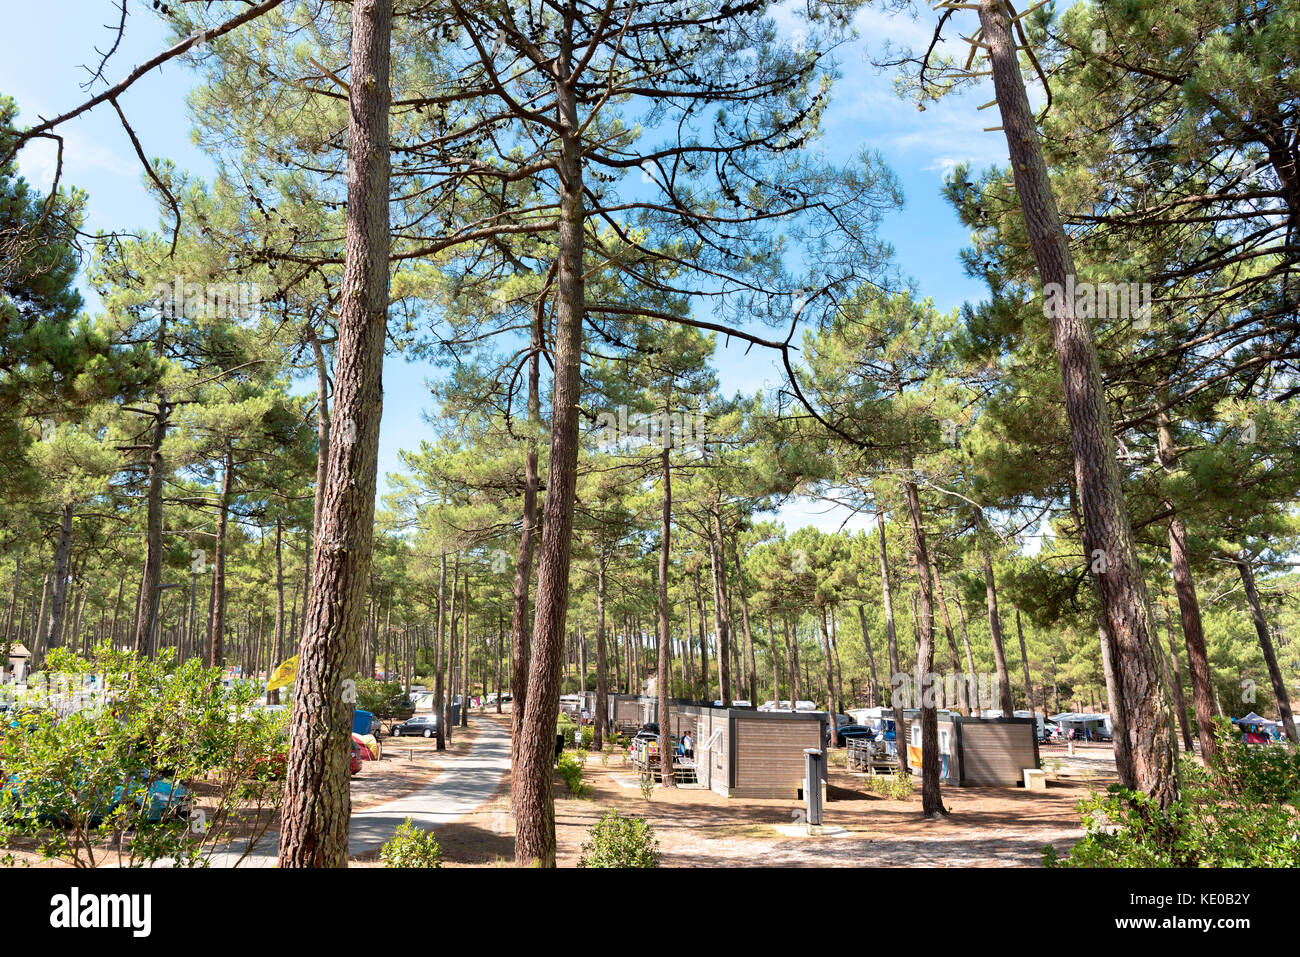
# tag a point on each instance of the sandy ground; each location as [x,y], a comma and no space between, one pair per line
[987,827]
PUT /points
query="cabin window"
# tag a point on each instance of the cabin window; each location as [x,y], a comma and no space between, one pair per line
[916,734]
[943,742]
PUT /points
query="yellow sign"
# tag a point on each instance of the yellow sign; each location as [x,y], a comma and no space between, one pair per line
[284,675]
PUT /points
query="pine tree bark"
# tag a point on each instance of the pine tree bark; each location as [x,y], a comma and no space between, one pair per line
[1119,580]
[601,722]
[1024,663]
[535,808]
[1247,574]
[891,635]
[751,666]
[721,624]
[217,621]
[1189,609]
[439,656]
[931,799]
[704,639]
[963,700]
[520,625]
[152,578]
[995,630]
[871,658]
[53,625]
[665,636]
[317,803]
[1175,681]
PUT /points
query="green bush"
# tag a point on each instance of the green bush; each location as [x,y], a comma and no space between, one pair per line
[895,787]
[588,736]
[618,841]
[571,771]
[1241,811]
[411,846]
[117,777]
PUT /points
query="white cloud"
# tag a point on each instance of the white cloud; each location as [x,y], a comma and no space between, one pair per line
[824,516]
[39,159]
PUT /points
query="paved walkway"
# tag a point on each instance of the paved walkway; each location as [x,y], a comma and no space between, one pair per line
[465,784]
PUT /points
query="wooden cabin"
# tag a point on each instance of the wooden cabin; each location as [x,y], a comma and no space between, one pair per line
[991,752]
[741,752]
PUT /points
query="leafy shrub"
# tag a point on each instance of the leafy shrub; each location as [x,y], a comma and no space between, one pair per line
[618,841]
[411,846]
[1242,811]
[588,736]
[895,787]
[117,776]
[571,771]
[566,726]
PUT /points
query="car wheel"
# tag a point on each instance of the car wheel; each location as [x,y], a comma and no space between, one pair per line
[397,732]
[428,733]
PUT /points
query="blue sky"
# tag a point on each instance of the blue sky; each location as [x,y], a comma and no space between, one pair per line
[41,52]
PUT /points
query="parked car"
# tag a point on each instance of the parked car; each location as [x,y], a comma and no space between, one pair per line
[850,732]
[355,759]
[425,725]
[648,730]
[160,800]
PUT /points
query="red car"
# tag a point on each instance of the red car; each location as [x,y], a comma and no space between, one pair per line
[276,765]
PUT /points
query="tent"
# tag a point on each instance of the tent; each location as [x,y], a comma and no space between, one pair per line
[1256,729]
[369,746]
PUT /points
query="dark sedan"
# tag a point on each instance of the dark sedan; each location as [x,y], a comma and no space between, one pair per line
[425,725]
[850,732]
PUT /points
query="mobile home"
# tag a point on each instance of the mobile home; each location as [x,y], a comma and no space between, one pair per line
[742,752]
[979,751]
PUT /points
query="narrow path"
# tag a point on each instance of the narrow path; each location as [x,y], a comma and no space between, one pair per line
[466,784]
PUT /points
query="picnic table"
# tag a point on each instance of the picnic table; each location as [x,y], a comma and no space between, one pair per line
[871,757]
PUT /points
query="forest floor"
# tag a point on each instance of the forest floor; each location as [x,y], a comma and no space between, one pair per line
[986,827]
[405,766]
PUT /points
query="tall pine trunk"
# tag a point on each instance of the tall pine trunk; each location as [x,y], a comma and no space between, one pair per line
[1108,534]
[601,717]
[871,657]
[53,625]
[891,634]
[317,803]
[995,631]
[149,583]
[1189,609]
[535,807]
[665,635]
[217,622]
[1247,574]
